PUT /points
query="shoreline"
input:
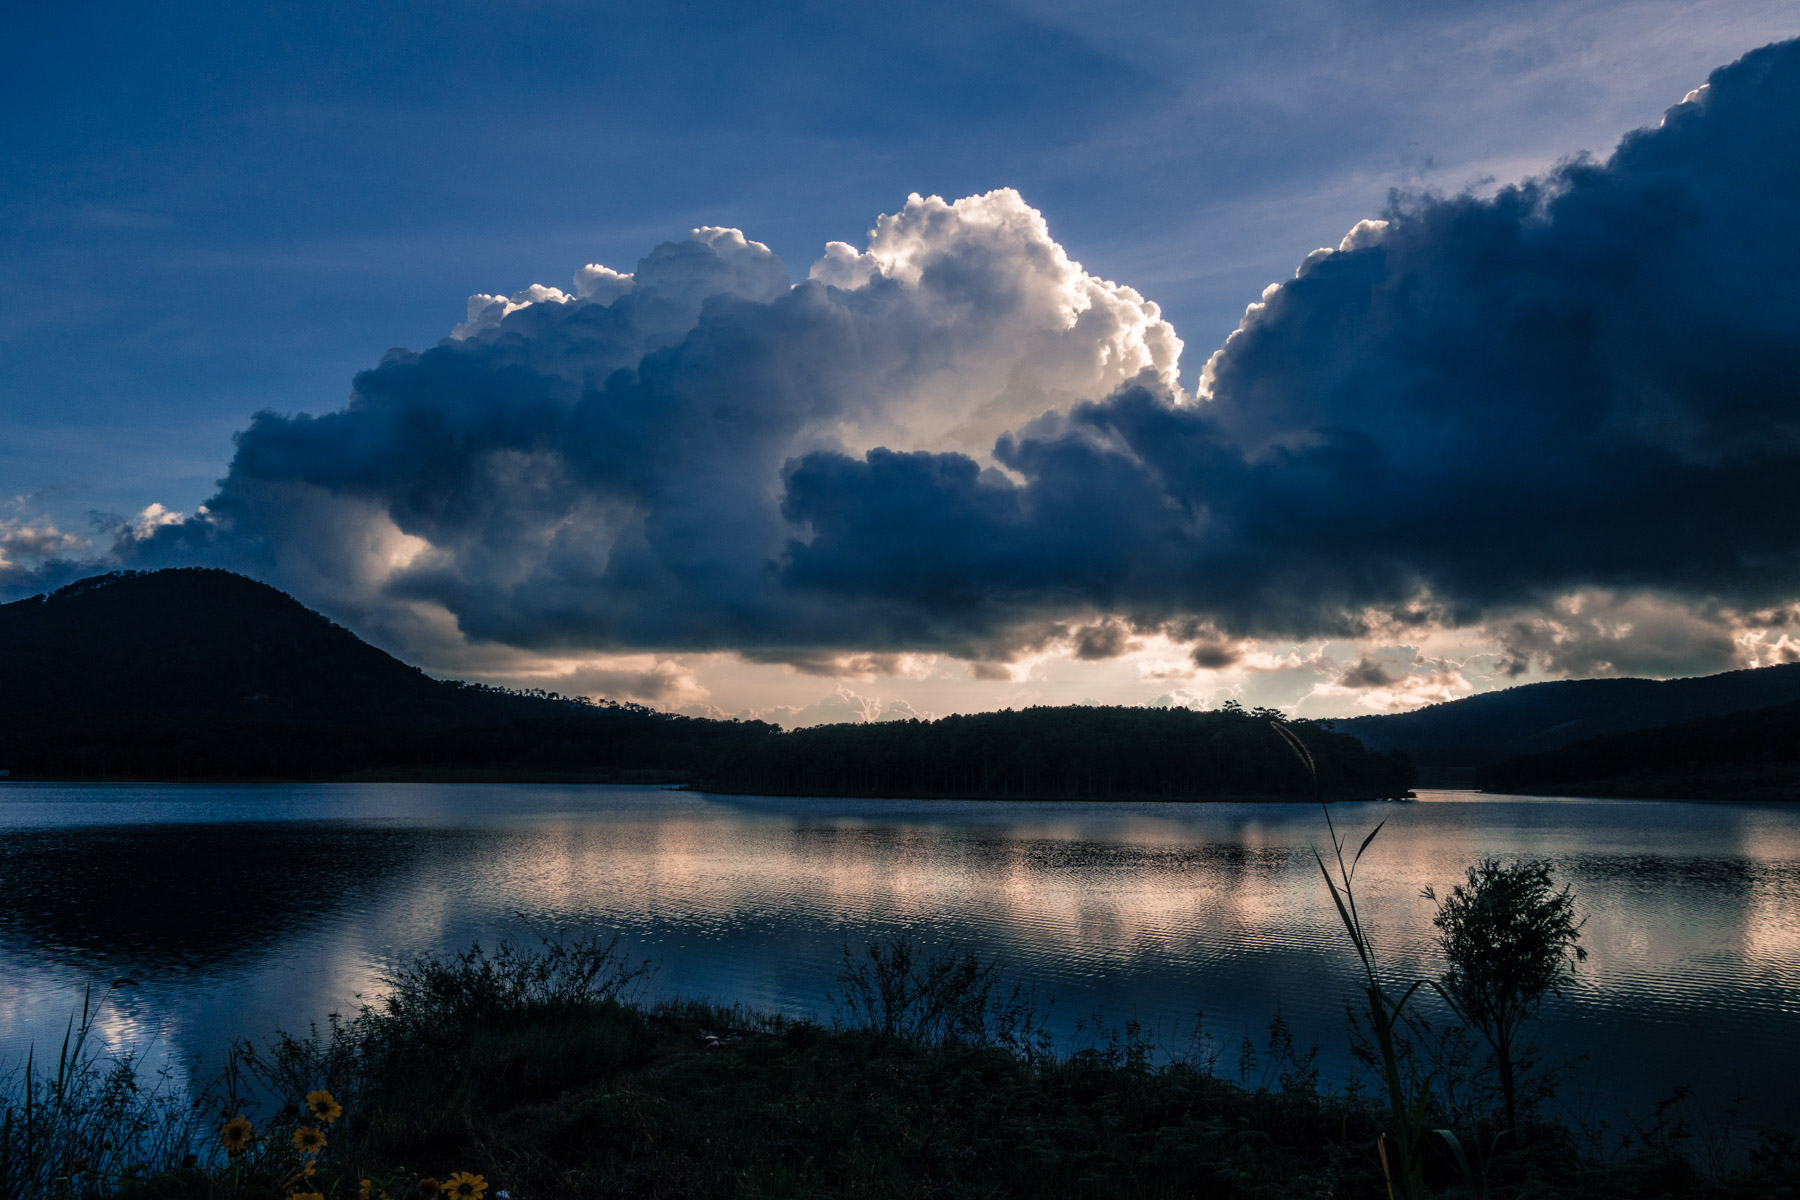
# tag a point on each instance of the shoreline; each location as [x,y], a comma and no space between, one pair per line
[680,782]
[673,781]
[543,1073]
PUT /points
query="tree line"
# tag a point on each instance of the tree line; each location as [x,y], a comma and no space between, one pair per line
[598,741]
[1069,752]
[1751,755]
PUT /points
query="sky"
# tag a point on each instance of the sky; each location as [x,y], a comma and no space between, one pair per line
[847,362]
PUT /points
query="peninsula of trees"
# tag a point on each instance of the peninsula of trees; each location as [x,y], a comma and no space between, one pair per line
[1073,752]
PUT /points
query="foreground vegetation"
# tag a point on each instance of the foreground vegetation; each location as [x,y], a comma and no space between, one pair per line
[534,1074]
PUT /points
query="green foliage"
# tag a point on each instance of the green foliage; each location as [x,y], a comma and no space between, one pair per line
[1510,939]
[438,997]
[852,1114]
[458,1034]
[1408,1097]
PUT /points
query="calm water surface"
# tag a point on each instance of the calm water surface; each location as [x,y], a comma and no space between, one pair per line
[243,909]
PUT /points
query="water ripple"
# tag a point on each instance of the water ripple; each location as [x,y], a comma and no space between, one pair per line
[245,909]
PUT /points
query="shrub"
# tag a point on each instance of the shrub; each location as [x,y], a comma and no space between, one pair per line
[943,998]
[1510,938]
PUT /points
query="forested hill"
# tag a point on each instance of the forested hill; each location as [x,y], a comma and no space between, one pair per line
[210,643]
[1743,756]
[1450,742]
[1075,752]
[200,674]
[193,673]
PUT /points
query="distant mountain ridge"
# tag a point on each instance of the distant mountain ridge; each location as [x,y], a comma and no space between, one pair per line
[1750,755]
[1452,741]
[199,673]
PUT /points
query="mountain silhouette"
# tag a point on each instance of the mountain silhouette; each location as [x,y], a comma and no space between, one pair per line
[199,673]
[1452,741]
[202,642]
[1752,755]
[196,674]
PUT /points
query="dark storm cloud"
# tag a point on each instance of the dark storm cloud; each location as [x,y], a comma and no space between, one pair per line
[1103,640]
[1365,673]
[1214,656]
[1591,380]
[1588,380]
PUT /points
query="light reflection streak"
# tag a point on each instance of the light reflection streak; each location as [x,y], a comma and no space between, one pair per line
[1693,912]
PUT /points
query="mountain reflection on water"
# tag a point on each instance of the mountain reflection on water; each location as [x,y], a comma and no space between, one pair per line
[242,910]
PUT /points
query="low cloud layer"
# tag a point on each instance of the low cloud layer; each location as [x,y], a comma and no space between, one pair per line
[956,440]
[27,542]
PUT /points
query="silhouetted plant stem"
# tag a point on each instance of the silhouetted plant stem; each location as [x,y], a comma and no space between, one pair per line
[1406,1112]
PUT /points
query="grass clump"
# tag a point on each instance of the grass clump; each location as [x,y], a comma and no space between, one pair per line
[942,998]
[538,1071]
[84,1121]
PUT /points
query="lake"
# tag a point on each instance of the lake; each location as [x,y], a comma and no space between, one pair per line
[242,909]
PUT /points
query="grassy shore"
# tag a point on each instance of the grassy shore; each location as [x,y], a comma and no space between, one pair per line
[537,1072]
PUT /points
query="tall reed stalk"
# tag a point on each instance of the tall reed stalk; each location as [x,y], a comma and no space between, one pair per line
[1408,1101]
[88,1123]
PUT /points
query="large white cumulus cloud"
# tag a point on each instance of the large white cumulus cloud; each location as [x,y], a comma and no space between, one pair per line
[1018,328]
[956,439]
[603,467]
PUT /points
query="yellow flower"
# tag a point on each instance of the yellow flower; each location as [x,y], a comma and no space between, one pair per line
[236,1134]
[365,1190]
[307,1196]
[430,1188]
[308,1140]
[323,1106]
[465,1186]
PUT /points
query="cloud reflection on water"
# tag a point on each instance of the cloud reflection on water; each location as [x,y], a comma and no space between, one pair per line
[240,927]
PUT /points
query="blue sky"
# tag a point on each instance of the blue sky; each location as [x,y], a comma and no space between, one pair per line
[207,211]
